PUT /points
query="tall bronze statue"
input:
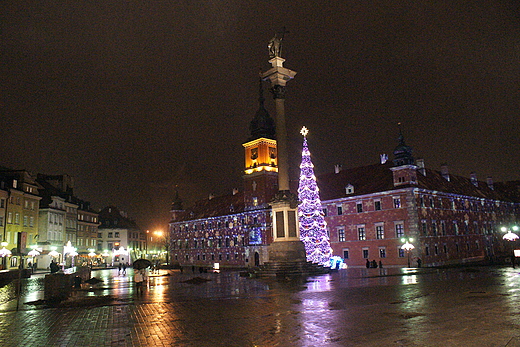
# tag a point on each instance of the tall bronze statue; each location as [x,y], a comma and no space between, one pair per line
[275,44]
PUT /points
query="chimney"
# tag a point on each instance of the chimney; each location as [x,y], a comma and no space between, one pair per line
[420,166]
[489,182]
[211,196]
[444,172]
[473,178]
[235,191]
[337,168]
[383,158]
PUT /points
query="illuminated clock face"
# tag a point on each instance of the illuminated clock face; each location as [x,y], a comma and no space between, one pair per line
[254,153]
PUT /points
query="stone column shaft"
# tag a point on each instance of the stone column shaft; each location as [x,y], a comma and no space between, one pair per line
[283,152]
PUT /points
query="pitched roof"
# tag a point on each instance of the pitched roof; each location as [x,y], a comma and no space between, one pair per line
[215,207]
[111,217]
[365,179]
[379,178]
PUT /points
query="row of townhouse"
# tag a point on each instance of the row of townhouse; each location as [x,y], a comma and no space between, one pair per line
[42,220]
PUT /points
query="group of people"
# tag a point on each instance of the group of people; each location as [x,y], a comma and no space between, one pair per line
[373,264]
[122,269]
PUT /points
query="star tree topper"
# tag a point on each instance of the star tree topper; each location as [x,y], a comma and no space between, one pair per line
[304,131]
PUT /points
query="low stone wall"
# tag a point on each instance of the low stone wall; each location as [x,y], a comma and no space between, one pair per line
[58,286]
[9,275]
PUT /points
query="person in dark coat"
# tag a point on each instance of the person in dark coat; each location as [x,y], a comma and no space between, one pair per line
[54,267]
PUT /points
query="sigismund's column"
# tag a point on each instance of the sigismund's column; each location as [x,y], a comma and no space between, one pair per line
[286,246]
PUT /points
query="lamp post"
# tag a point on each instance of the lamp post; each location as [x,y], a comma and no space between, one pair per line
[407,246]
[511,238]
[163,244]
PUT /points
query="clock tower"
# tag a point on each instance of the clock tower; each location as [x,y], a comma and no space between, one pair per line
[261,159]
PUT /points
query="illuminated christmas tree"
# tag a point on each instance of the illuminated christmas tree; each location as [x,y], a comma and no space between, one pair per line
[313,228]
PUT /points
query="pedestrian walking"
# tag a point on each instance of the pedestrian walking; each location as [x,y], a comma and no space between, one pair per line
[119,269]
[124,268]
[368,263]
[138,279]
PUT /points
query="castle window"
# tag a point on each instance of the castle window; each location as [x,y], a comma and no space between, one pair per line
[341,234]
[399,229]
[380,231]
[361,233]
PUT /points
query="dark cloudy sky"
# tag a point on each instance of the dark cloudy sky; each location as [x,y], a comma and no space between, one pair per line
[135,98]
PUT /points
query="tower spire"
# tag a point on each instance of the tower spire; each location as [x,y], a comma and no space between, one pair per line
[262,124]
[403,153]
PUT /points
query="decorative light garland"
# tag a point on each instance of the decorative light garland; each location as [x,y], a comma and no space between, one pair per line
[313,228]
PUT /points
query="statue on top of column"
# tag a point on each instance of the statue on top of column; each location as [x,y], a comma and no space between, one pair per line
[275,44]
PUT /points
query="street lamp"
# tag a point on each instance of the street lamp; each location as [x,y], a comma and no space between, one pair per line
[511,237]
[4,253]
[33,253]
[407,247]
[163,245]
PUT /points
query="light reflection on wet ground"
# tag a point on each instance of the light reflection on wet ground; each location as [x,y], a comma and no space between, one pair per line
[356,307]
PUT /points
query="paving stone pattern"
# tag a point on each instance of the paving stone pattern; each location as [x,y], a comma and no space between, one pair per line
[454,307]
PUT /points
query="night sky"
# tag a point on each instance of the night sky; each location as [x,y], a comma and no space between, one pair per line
[138,98]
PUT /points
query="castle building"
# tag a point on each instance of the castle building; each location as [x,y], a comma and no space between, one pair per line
[394,213]
[448,219]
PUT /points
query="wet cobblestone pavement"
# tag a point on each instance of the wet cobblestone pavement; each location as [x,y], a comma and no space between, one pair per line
[355,307]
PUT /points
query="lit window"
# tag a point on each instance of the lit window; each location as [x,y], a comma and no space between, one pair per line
[399,230]
[380,232]
[361,233]
[382,252]
[397,203]
[341,234]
